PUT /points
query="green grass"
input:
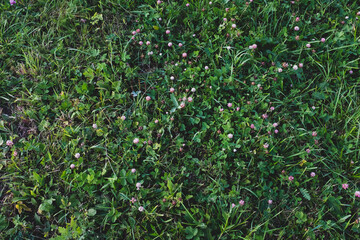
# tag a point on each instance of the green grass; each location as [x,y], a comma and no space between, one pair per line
[67,65]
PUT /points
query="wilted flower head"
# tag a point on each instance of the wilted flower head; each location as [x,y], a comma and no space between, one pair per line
[285,64]
[9,143]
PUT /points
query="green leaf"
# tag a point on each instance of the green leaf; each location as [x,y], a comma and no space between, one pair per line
[318,95]
[3,222]
[305,193]
[63,231]
[96,18]
[132,222]
[191,232]
[194,120]
[334,203]
[37,178]
[175,102]
[170,186]
[344,218]
[43,125]
[91,212]
[89,73]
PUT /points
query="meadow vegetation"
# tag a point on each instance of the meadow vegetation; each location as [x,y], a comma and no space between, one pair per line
[145,119]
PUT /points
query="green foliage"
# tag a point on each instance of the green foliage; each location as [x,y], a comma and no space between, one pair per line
[102,137]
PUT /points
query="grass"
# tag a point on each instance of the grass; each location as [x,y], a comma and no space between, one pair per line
[74,88]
